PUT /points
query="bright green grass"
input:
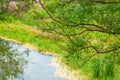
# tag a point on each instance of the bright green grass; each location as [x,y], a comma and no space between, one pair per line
[12,31]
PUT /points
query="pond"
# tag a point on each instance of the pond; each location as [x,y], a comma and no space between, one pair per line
[20,63]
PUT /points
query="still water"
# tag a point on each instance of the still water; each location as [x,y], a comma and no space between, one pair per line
[20,63]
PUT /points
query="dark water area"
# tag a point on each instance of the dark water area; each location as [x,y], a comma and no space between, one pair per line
[20,63]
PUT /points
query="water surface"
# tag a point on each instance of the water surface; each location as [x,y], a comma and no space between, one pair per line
[20,63]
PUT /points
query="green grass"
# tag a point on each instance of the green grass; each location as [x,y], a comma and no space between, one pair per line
[23,31]
[13,31]
[26,34]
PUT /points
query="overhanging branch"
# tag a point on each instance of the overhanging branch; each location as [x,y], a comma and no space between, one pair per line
[105,2]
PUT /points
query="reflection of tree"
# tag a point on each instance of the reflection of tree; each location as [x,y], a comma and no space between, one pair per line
[11,63]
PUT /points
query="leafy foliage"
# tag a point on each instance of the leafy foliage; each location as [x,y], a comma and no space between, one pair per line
[91,31]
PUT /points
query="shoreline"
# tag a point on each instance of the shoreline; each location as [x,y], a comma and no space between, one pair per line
[29,46]
[61,70]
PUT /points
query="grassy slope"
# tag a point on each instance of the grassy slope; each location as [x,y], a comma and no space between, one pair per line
[30,35]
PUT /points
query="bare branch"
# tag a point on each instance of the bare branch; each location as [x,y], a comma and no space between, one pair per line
[107,51]
[107,2]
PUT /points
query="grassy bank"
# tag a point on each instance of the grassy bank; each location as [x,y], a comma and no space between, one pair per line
[31,35]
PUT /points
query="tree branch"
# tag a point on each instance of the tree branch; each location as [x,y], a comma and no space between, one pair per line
[103,2]
[107,51]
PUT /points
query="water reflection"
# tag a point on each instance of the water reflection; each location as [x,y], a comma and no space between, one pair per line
[19,63]
[11,63]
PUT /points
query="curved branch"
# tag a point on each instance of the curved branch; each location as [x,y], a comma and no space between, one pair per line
[101,52]
[107,51]
[97,51]
[103,2]
[102,30]
[89,47]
